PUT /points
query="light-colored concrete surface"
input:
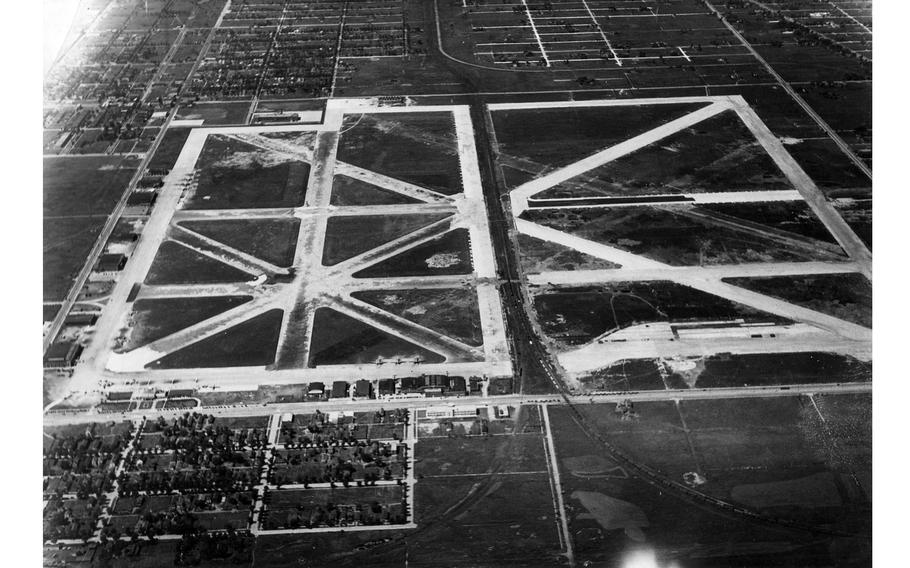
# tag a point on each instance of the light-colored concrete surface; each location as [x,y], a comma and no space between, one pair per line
[313,284]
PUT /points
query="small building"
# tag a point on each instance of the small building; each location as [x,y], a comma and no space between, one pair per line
[62,354]
[464,411]
[363,389]
[315,389]
[502,411]
[476,384]
[339,389]
[386,387]
[80,319]
[119,396]
[111,263]
[439,381]
[440,412]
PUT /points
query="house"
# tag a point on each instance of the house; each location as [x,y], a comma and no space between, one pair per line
[363,389]
[476,384]
[339,389]
[315,389]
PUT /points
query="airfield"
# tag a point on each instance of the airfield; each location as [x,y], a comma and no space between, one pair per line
[461,283]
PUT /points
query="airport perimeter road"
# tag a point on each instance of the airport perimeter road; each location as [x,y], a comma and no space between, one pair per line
[61,417]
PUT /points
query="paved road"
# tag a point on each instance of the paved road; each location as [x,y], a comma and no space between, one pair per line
[60,418]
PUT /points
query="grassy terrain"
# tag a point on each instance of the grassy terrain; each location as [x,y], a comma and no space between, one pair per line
[237,175]
[339,339]
[499,522]
[677,236]
[727,370]
[612,511]
[769,448]
[443,457]
[79,194]
[351,191]
[556,137]
[450,311]
[67,243]
[626,375]
[151,320]
[857,214]
[829,168]
[272,240]
[215,114]
[85,185]
[418,148]
[251,343]
[573,316]
[445,255]
[793,217]
[349,236]
[718,154]
[845,296]
[538,256]
[170,148]
[177,264]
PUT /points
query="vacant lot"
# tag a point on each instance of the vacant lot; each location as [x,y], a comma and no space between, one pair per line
[351,191]
[272,240]
[450,311]
[349,236]
[680,235]
[610,509]
[178,264]
[169,149]
[718,154]
[339,339]
[237,175]
[445,255]
[418,148]
[248,344]
[727,370]
[573,316]
[151,320]
[533,140]
[786,218]
[537,256]
[215,114]
[67,243]
[627,375]
[79,194]
[845,296]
